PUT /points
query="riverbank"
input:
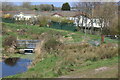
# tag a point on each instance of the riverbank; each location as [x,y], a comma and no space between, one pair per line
[25,56]
[72,54]
[46,70]
[13,66]
[2,58]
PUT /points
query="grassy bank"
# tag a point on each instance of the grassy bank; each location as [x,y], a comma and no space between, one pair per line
[61,52]
[46,68]
[26,56]
[33,32]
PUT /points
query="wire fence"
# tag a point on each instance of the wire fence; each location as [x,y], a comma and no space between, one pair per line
[63,26]
[8,20]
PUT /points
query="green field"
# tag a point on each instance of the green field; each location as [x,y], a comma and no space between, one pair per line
[33,32]
[74,59]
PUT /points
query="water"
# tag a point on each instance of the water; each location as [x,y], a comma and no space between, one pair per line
[12,66]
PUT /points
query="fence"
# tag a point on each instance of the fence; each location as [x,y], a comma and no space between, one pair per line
[8,20]
[63,26]
[55,25]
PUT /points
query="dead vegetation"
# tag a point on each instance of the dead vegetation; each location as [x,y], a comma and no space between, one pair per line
[49,43]
[71,54]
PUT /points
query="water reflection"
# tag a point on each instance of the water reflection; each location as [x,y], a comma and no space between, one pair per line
[12,66]
[11,61]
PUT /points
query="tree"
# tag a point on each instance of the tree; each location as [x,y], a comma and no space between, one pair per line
[53,8]
[26,5]
[43,21]
[45,7]
[9,41]
[107,14]
[7,6]
[35,8]
[108,18]
[65,7]
[87,10]
[102,11]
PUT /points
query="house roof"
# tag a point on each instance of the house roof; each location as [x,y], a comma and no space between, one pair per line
[49,13]
[57,14]
[17,12]
[70,13]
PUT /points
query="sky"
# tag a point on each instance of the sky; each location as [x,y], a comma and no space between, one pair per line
[40,0]
[58,0]
[57,4]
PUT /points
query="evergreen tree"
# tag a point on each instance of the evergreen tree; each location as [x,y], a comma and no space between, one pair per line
[65,7]
[53,7]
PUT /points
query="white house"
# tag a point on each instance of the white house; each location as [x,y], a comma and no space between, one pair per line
[80,19]
[22,16]
[84,21]
[57,15]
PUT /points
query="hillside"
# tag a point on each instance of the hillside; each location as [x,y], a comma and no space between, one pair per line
[65,53]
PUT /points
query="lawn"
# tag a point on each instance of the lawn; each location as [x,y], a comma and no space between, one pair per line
[33,32]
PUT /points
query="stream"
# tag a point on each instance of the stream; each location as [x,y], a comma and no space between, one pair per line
[12,66]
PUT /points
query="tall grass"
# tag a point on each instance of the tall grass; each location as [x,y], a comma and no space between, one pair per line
[54,57]
[72,55]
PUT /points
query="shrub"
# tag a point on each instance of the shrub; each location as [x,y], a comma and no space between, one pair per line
[107,51]
[77,54]
[9,41]
[51,45]
[7,16]
[43,21]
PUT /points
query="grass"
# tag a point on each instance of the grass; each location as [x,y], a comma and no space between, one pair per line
[30,56]
[45,69]
[0,46]
[33,32]
[41,69]
[89,71]
[68,61]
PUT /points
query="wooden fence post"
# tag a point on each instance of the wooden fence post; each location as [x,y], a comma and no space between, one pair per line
[102,38]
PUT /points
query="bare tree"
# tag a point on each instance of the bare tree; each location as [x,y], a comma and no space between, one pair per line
[45,7]
[106,12]
[7,6]
[26,6]
[85,9]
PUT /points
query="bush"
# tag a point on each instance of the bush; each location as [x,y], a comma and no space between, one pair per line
[43,21]
[45,7]
[7,16]
[51,45]
[9,44]
[77,54]
[107,51]
[9,41]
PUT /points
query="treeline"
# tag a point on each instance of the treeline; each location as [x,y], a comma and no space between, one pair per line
[10,6]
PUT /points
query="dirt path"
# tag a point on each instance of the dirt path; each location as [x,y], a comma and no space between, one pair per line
[101,72]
